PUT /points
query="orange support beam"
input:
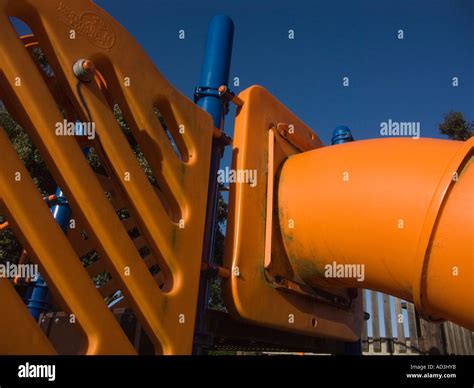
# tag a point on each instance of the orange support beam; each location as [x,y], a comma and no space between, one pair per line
[19,332]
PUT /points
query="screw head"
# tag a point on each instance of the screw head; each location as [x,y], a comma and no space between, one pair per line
[222,89]
[84,70]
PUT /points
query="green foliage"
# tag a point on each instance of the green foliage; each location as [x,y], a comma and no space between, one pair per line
[27,152]
[133,143]
[40,56]
[10,247]
[216,301]
[220,226]
[456,127]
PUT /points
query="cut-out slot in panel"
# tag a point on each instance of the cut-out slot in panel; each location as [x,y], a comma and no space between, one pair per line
[174,133]
[27,151]
[149,158]
[163,192]
[20,27]
[114,194]
[10,247]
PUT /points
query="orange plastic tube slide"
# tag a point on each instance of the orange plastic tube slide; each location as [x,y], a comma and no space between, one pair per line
[393,215]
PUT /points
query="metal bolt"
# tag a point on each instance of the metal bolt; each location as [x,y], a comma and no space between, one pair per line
[222,90]
[84,70]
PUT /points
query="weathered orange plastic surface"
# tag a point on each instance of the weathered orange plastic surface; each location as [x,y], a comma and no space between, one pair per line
[173,232]
[265,134]
[19,332]
[401,207]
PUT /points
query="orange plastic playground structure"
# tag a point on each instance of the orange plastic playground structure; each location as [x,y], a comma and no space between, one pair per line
[399,209]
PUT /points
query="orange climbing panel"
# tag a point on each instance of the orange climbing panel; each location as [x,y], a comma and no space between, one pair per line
[168,214]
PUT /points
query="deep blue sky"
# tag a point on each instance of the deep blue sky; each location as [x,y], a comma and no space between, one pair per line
[405,80]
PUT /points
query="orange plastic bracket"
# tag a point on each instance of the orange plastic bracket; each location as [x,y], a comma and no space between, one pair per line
[262,289]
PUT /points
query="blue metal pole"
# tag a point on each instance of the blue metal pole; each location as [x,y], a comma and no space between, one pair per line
[216,67]
[341,134]
[214,73]
[37,297]
[61,211]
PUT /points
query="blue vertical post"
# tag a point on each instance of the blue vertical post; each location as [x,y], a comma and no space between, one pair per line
[341,134]
[214,73]
[216,67]
[61,211]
